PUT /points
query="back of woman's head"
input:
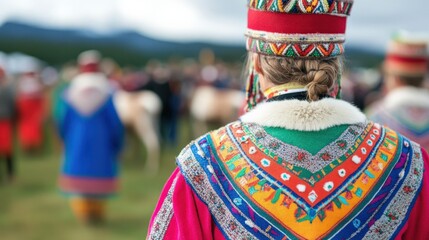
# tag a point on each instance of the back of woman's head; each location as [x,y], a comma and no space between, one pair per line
[318,76]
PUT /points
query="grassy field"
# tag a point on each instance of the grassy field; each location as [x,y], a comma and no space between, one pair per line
[33,209]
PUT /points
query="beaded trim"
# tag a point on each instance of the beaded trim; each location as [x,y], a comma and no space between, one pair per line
[398,210]
[295,38]
[165,213]
[332,7]
[197,179]
[295,50]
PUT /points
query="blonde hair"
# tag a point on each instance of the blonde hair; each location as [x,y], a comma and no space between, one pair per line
[318,76]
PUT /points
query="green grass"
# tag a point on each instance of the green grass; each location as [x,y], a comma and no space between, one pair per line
[32,207]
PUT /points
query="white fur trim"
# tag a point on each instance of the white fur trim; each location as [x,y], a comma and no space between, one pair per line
[407,96]
[305,116]
[90,80]
[88,102]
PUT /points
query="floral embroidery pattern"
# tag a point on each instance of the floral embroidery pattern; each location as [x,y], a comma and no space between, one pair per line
[302,158]
[398,210]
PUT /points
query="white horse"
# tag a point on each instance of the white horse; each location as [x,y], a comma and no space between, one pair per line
[140,111]
[212,105]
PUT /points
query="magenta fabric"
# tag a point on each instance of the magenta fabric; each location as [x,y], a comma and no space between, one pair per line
[277,22]
[192,219]
[416,228]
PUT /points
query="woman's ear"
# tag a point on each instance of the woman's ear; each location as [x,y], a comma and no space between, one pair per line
[257,64]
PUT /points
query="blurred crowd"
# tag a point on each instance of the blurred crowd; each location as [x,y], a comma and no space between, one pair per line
[30,88]
[150,100]
[90,101]
[30,92]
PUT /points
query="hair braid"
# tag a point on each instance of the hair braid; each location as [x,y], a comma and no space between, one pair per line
[317,75]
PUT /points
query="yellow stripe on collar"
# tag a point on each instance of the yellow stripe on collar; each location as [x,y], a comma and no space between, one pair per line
[282,89]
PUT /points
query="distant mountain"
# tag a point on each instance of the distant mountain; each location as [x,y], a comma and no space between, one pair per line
[57,46]
[358,56]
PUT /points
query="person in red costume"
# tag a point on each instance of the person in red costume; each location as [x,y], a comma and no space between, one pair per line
[7,114]
[31,109]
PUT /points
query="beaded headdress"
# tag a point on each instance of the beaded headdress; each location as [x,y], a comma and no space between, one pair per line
[301,29]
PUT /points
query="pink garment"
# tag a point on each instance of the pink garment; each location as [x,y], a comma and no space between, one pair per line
[82,185]
[191,219]
[415,228]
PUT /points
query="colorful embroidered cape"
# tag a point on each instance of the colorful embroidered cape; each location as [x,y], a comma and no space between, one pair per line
[92,144]
[241,182]
[405,110]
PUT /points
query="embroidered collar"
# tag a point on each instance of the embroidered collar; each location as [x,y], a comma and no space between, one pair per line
[304,115]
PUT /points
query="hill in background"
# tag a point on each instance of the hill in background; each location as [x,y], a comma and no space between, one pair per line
[58,46]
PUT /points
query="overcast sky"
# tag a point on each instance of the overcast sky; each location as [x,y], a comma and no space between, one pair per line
[372,21]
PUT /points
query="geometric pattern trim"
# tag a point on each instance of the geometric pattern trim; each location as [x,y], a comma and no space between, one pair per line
[304,50]
[333,7]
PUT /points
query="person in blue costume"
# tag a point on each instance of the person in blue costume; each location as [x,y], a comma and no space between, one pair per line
[93,134]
